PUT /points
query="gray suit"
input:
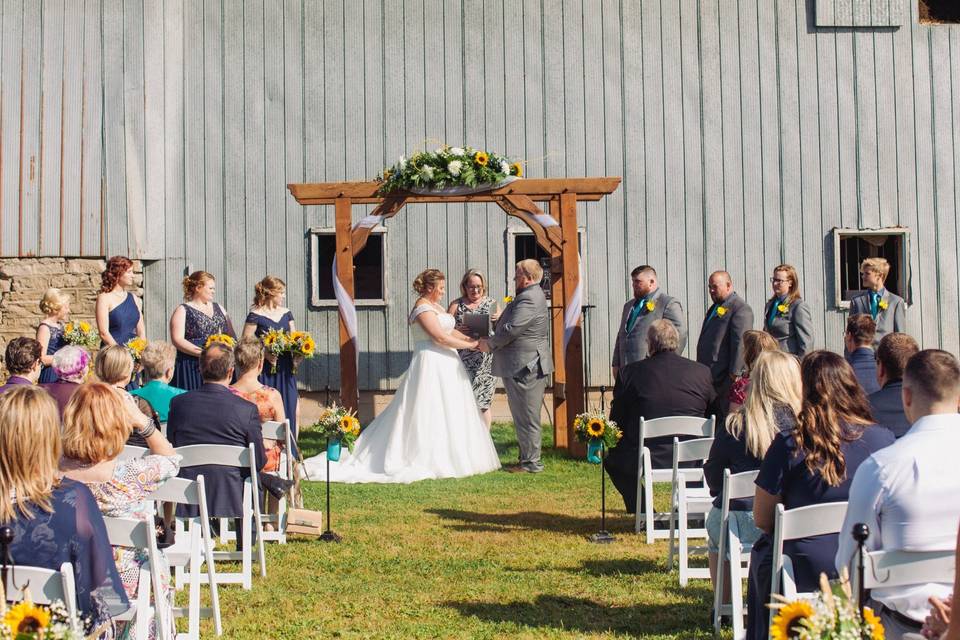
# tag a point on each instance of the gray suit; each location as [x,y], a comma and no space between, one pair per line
[889,320]
[631,346]
[720,346]
[793,330]
[521,357]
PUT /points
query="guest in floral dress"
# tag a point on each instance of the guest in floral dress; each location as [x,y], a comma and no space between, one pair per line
[54,519]
[96,425]
[192,323]
[474,299]
[119,318]
[55,306]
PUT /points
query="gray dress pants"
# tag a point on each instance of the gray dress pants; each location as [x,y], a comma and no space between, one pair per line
[525,395]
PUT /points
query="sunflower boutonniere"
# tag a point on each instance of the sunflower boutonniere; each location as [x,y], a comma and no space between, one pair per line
[883,304]
[507,299]
[721,311]
[783,309]
[650,306]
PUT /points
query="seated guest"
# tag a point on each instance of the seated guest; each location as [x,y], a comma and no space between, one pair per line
[754,343]
[157,360]
[887,405]
[858,342]
[54,519]
[812,464]
[96,424]
[22,359]
[772,404]
[663,384]
[907,493]
[941,623]
[214,415]
[114,366]
[71,364]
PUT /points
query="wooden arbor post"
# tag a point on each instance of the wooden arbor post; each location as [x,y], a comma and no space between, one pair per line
[555,232]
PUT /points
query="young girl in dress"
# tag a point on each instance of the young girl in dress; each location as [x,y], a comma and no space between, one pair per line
[55,306]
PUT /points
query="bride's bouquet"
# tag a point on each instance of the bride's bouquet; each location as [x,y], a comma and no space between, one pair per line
[81,334]
[447,167]
[338,424]
[598,431]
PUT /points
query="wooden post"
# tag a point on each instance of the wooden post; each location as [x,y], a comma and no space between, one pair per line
[574,352]
[349,393]
[560,439]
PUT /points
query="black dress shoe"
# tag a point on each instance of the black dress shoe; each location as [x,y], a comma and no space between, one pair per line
[276,485]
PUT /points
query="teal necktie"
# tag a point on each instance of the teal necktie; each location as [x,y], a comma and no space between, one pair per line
[635,312]
[874,304]
[773,311]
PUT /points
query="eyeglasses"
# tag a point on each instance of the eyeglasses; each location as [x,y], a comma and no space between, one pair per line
[778,281]
[475,287]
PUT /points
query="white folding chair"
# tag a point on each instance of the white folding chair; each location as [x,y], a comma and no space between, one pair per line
[241,458]
[138,534]
[688,501]
[647,475]
[192,535]
[130,452]
[279,431]
[46,586]
[802,522]
[735,486]
[885,569]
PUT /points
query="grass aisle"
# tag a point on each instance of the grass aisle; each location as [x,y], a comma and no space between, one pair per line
[490,556]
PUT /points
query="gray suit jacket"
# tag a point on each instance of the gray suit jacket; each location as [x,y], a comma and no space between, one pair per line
[632,346]
[793,330]
[521,343]
[889,320]
[720,346]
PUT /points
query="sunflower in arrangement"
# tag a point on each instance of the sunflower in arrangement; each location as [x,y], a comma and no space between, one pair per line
[222,338]
[598,431]
[831,615]
[81,334]
[337,423]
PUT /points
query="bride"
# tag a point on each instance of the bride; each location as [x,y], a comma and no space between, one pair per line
[432,428]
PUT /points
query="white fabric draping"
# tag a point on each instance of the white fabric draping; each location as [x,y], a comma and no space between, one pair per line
[571,315]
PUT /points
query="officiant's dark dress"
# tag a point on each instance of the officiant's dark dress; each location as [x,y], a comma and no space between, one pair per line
[477,363]
[197,327]
[284,380]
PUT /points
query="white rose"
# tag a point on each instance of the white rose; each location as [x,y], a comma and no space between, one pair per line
[427,172]
[505,167]
[440,150]
[403,162]
[454,167]
[456,151]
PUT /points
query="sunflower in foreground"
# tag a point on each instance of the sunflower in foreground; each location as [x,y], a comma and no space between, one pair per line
[26,617]
[872,619]
[595,428]
[788,621]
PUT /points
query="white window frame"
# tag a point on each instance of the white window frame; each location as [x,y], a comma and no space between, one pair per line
[318,270]
[840,234]
[510,238]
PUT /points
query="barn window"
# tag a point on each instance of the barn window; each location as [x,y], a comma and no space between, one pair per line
[368,268]
[521,245]
[939,11]
[852,246]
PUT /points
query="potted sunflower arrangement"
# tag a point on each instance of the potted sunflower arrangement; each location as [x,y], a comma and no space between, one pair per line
[598,431]
[340,426]
[831,615]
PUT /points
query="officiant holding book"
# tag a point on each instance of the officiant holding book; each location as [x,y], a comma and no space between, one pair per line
[521,356]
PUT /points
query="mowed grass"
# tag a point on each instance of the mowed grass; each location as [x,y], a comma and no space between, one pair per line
[492,556]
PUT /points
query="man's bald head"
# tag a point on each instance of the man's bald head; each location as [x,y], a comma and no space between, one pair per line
[720,286]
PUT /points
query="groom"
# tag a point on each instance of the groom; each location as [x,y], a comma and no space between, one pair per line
[521,356]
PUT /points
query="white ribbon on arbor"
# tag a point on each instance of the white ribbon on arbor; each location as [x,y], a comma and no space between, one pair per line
[571,315]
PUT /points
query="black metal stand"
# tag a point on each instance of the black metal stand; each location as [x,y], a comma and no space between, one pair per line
[603,536]
[584,312]
[328,535]
[860,533]
[6,539]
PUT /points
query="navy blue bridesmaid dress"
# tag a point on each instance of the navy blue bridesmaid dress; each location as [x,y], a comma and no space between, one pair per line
[197,327]
[284,380]
[57,342]
[124,319]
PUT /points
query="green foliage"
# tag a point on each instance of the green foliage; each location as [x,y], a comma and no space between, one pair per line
[447,167]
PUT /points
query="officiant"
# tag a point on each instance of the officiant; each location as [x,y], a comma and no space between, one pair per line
[474,300]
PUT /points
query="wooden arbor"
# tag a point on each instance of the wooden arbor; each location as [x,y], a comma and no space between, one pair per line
[556,233]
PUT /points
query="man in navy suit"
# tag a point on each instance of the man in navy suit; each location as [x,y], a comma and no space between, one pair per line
[22,359]
[858,341]
[212,414]
[720,346]
[887,404]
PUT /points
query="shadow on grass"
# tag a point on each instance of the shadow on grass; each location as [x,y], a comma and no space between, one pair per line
[621,567]
[523,520]
[589,616]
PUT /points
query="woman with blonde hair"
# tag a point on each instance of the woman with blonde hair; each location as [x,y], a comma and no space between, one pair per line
[268,313]
[771,406]
[192,322]
[55,306]
[96,426]
[432,428]
[474,299]
[786,316]
[54,519]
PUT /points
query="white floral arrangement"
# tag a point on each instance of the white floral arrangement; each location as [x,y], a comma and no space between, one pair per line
[447,167]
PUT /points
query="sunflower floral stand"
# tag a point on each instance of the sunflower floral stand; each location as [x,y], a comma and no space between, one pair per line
[600,434]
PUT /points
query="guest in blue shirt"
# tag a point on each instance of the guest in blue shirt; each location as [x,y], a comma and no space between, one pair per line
[54,520]
[157,360]
[22,358]
[887,404]
[811,464]
[858,341]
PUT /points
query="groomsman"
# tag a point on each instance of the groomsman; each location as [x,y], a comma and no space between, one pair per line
[720,346]
[887,309]
[648,305]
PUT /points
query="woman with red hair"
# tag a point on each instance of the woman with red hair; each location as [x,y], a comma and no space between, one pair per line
[119,318]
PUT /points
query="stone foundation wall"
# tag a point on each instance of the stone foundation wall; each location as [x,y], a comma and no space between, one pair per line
[23,282]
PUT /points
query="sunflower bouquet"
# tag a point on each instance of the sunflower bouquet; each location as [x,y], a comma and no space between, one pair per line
[222,338]
[82,334]
[339,424]
[447,167]
[135,347]
[595,427]
[832,615]
[302,345]
[28,621]
[277,343]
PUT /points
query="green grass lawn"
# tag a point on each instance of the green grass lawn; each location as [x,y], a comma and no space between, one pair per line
[492,556]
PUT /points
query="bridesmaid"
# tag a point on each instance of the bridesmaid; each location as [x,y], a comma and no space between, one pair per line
[786,316]
[268,312]
[192,323]
[119,317]
[55,306]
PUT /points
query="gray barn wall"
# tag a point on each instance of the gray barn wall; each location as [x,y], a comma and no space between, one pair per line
[168,130]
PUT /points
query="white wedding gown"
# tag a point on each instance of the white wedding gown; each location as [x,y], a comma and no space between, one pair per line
[431,429]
